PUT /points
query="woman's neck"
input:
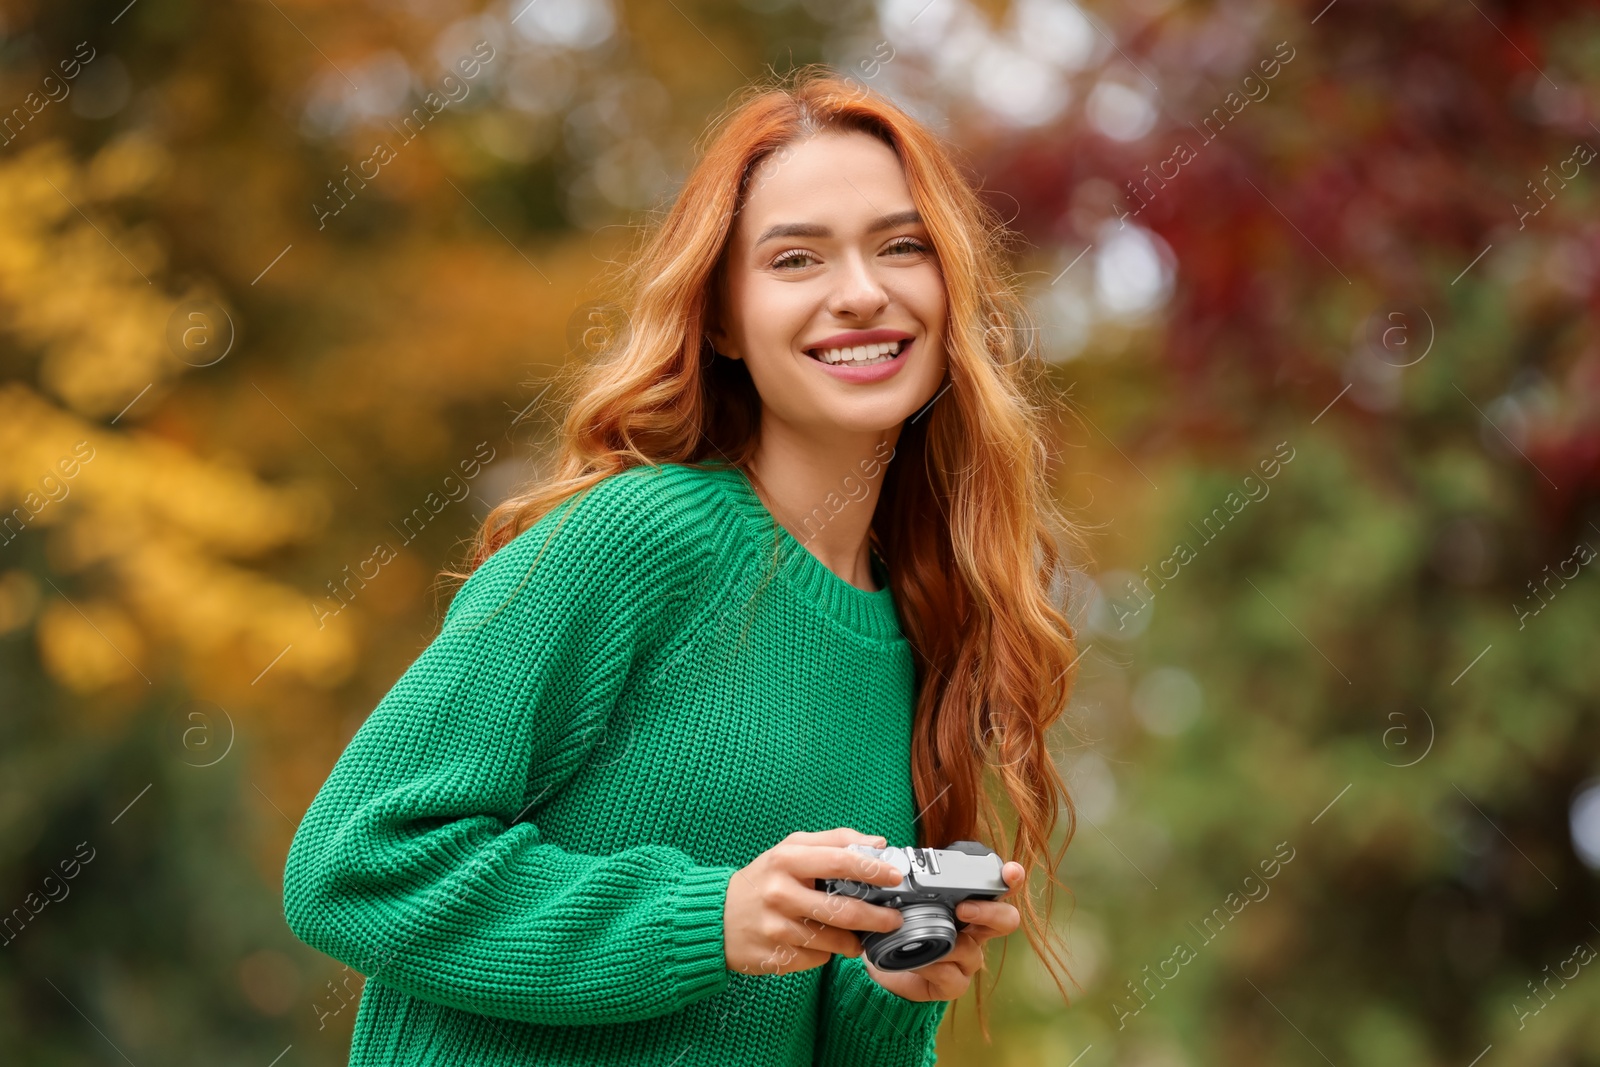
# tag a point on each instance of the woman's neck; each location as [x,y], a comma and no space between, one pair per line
[825,496]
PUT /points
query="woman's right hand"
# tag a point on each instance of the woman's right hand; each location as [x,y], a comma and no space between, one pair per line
[776,921]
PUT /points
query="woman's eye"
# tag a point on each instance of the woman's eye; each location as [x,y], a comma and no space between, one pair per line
[789,258]
[907,245]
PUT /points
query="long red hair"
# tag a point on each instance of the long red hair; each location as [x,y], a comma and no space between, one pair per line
[966,522]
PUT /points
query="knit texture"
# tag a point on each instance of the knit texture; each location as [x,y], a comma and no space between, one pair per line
[527,845]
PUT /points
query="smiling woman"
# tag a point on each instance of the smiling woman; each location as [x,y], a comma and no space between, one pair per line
[831,237]
[826,290]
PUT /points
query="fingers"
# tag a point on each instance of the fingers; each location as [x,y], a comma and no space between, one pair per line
[966,957]
[782,945]
[1014,874]
[947,979]
[796,899]
[810,934]
[988,918]
[844,912]
[805,861]
[776,922]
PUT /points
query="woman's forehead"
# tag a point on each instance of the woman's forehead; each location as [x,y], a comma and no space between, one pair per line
[844,183]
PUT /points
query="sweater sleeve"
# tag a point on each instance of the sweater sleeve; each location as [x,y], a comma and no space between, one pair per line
[420,861]
[862,1022]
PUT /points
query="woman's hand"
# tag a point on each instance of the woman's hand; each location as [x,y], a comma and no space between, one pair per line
[949,978]
[776,921]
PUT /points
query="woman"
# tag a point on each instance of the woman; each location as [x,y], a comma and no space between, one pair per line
[794,598]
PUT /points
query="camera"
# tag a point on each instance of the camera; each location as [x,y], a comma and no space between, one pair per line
[932,882]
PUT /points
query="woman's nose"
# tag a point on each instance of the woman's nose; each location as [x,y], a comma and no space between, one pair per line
[859,293]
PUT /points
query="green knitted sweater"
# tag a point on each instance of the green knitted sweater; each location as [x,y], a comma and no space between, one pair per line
[526,847]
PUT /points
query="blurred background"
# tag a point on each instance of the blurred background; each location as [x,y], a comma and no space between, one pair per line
[285,288]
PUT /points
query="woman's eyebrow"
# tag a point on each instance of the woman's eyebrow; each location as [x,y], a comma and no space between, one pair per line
[795,229]
[909,217]
[814,229]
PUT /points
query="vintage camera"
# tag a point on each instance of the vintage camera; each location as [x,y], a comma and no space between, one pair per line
[932,882]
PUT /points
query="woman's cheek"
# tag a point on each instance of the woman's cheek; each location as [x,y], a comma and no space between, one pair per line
[918,290]
[785,326]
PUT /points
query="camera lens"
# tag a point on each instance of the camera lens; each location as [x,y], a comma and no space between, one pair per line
[927,935]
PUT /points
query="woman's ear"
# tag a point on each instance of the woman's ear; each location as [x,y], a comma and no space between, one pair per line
[720,345]
[716,311]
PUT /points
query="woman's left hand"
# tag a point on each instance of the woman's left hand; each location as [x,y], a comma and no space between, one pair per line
[948,979]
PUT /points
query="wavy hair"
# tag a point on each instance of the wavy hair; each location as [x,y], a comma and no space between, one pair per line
[965,523]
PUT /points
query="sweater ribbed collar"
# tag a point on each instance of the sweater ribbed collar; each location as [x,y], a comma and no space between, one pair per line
[871,614]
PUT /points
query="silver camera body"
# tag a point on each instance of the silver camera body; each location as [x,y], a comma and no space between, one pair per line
[932,882]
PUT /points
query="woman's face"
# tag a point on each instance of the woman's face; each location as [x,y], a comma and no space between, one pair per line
[828,259]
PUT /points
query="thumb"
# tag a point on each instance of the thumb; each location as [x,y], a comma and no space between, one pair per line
[1014,874]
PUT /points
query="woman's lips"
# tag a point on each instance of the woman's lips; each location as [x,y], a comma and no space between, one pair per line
[852,338]
[875,373]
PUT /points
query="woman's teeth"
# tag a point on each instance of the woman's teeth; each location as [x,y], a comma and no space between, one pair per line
[860,355]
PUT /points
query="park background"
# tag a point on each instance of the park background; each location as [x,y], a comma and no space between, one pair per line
[1317,287]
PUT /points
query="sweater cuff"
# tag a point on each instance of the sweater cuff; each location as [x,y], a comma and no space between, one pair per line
[695,952]
[884,1018]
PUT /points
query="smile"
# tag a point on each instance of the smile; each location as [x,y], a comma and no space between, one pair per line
[860,355]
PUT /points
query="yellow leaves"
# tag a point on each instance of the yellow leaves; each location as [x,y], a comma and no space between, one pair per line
[132,164]
[212,609]
[225,509]
[88,646]
[447,323]
[81,290]
[138,480]
[150,525]
[158,517]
